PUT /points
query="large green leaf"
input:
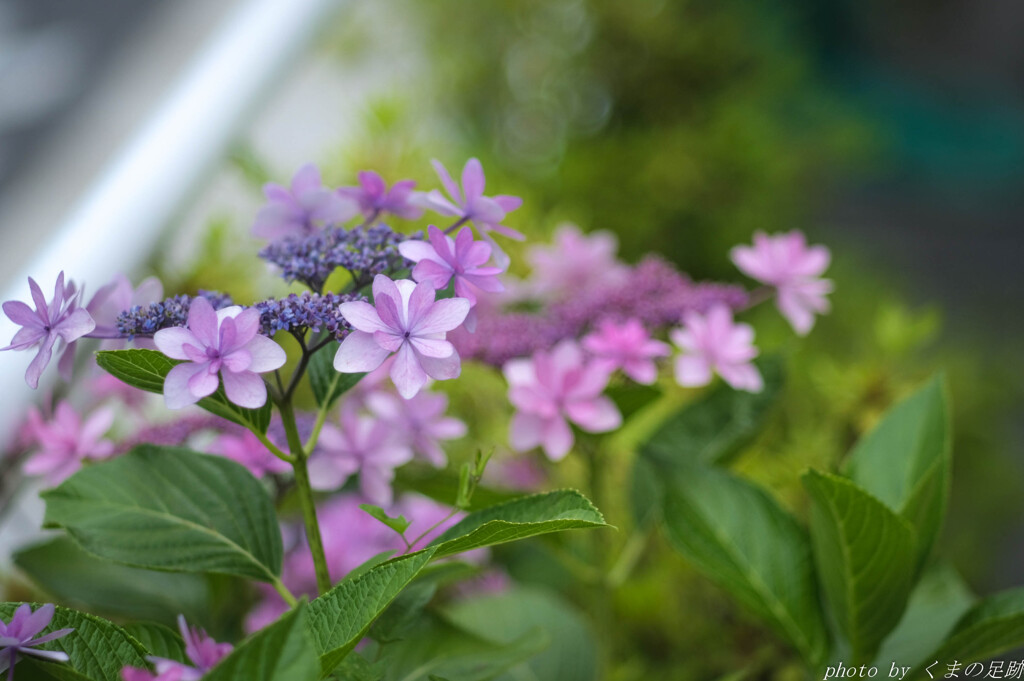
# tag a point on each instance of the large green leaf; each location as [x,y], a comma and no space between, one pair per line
[342,616]
[718,425]
[97,649]
[147,369]
[518,519]
[168,508]
[905,461]
[284,651]
[80,579]
[866,557]
[741,538]
[327,383]
[993,625]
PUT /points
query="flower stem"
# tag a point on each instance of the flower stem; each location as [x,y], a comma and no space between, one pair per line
[458,223]
[287,595]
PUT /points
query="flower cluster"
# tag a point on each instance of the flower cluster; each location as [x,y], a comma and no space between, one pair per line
[146,320]
[301,312]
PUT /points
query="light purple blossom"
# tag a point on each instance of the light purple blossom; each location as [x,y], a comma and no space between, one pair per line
[575,262]
[118,296]
[713,342]
[407,321]
[362,444]
[421,420]
[627,346]
[62,319]
[794,269]
[18,637]
[224,342]
[373,197]
[443,258]
[555,387]
[65,441]
[201,650]
[245,448]
[302,209]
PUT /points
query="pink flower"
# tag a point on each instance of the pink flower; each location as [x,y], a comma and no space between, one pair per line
[65,441]
[119,296]
[62,319]
[301,210]
[627,346]
[785,262]
[408,322]
[420,420]
[201,650]
[365,445]
[576,262]
[713,342]
[552,387]
[17,637]
[246,449]
[225,342]
[374,198]
[442,259]
[470,204]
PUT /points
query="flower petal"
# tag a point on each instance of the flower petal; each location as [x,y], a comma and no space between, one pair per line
[473,180]
[176,390]
[359,353]
[598,415]
[446,181]
[557,438]
[266,354]
[202,321]
[406,373]
[172,342]
[362,316]
[245,389]
[442,316]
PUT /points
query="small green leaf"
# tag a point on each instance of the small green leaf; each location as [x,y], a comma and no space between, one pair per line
[399,524]
[740,537]
[518,519]
[284,651]
[97,649]
[905,462]
[718,425]
[327,383]
[866,557]
[159,640]
[993,625]
[147,369]
[168,508]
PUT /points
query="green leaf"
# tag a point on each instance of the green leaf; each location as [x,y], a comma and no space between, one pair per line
[342,616]
[936,603]
[718,425]
[399,524]
[78,578]
[524,517]
[866,557]
[159,640]
[168,508]
[905,462]
[993,625]
[630,396]
[740,537]
[355,667]
[327,383]
[147,369]
[97,649]
[284,651]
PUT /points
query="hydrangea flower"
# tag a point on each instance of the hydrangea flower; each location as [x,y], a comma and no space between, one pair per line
[362,444]
[118,296]
[421,420]
[60,319]
[298,313]
[555,387]
[373,197]
[17,637]
[145,320]
[575,262]
[224,342]
[794,269]
[246,449]
[627,346]
[65,441]
[713,342]
[302,209]
[442,259]
[201,650]
[406,321]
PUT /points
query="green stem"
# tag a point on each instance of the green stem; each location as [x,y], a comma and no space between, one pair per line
[272,447]
[629,557]
[417,540]
[321,417]
[287,595]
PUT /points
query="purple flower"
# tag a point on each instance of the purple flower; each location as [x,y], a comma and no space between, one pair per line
[627,346]
[575,262]
[225,342]
[408,322]
[420,420]
[201,650]
[65,441]
[469,203]
[304,209]
[442,259]
[374,198]
[552,387]
[16,637]
[363,444]
[145,320]
[713,342]
[119,295]
[794,269]
[298,313]
[61,319]
[246,449]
